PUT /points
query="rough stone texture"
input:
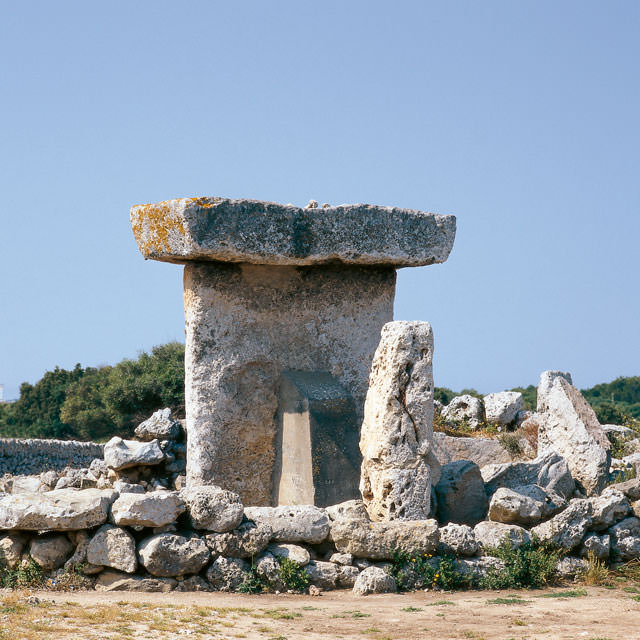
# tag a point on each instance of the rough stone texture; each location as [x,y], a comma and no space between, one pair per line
[379,540]
[482,451]
[246,325]
[193,583]
[570,427]
[252,231]
[159,426]
[502,408]
[397,430]
[550,472]
[153,509]
[600,546]
[492,534]
[480,567]
[227,574]
[123,454]
[349,509]
[630,488]
[457,539]
[374,580]
[59,510]
[567,529]
[212,508]
[81,540]
[341,558]
[323,574]
[11,547]
[268,568]
[113,547]
[293,552]
[301,523]
[347,576]
[465,409]
[461,495]
[127,487]
[607,509]
[247,541]
[625,539]
[526,506]
[50,551]
[116,581]
[570,568]
[168,554]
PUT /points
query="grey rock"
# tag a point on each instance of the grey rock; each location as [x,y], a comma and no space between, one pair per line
[153,509]
[551,472]
[193,583]
[298,523]
[292,552]
[341,558]
[493,534]
[127,487]
[11,547]
[246,541]
[168,555]
[609,508]
[479,567]
[465,409]
[159,426]
[482,451]
[374,580]
[598,545]
[457,539]
[379,540]
[113,547]
[81,541]
[347,576]
[569,568]
[123,454]
[323,574]
[50,551]
[268,568]
[567,529]
[569,427]
[116,581]
[461,494]
[59,510]
[349,509]
[212,508]
[625,539]
[502,408]
[397,430]
[49,478]
[526,506]
[78,479]
[227,574]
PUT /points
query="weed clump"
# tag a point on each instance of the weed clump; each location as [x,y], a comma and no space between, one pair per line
[26,575]
[414,571]
[294,577]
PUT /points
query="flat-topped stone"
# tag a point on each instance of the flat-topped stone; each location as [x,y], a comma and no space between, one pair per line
[257,232]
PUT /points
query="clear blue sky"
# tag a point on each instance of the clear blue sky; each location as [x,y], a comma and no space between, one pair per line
[522,118]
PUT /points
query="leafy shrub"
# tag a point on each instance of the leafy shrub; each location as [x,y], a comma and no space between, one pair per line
[294,577]
[411,571]
[511,443]
[253,582]
[25,575]
[532,565]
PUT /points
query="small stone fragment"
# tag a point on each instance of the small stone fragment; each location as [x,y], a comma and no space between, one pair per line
[293,552]
[464,409]
[159,426]
[227,574]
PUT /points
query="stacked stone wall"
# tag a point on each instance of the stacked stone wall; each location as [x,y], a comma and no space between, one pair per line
[31,456]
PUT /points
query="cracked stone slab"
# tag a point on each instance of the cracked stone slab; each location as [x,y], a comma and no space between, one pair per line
[220,229]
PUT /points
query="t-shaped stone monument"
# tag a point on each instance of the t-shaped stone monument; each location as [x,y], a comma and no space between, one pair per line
[273,292]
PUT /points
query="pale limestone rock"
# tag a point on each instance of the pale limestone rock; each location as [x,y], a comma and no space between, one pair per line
[81,540]
[193,583]
[11,547]
[461,494]
[293,552]
[127,487]
[570,427]
[502,408]
[551,472]
[212,508]
[160,426]
[607,509]
[116,581]
[170,555]
[50,551]
[379,540]
[570,568]
[349,509]
[526,506]
[397,430]
[227,574]
[567,529]
[374,580]
[625,539]
[59,510]
[457,539]
[268,568]
[341,558]
[599,545]
[122,454]
[153,509]
[347,576]
[482,451]
[492,534]
[297,523]
[113,547]
[480,567]
[323,574]
[465,409]
[246,541]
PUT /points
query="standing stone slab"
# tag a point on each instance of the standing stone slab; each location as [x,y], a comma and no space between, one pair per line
[270,288]
[397,431]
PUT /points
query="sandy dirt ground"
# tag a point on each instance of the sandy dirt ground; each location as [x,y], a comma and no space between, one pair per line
[583,613]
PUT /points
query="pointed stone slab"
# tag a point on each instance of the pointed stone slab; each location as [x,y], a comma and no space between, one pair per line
[259,232]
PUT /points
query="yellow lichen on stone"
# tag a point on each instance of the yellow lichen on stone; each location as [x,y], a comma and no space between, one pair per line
[153,225]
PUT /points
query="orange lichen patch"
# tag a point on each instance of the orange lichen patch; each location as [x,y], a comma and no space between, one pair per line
[153,224]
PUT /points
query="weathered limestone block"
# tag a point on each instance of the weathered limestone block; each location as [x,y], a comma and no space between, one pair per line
[293,552]
[461,495]
[168,555]
[567,529]
[160,426]
[317,455]
[492,534]
[625,539]
[482,451]
[609,508]
[246,541]
[11,547]
[116,581]
[349,509]
[502,408]
[272,288]
[227,574]
[467,409]
[599,546]
[397,430]
[212,508]
[570,568]
[527,505]
[113,547]
[457,539]
[569,426]
[298,523]
[374,580]
[123,454]
[59,510]
[50,551]
[347,576]
[153,509]
[323,574]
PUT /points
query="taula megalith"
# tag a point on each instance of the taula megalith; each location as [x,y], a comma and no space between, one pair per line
[272,291]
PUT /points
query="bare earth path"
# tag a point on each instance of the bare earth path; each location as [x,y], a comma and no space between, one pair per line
[596,613]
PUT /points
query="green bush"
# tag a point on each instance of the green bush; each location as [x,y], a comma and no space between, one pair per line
[253,582]
[294,577]
[25,576]
[414,571]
